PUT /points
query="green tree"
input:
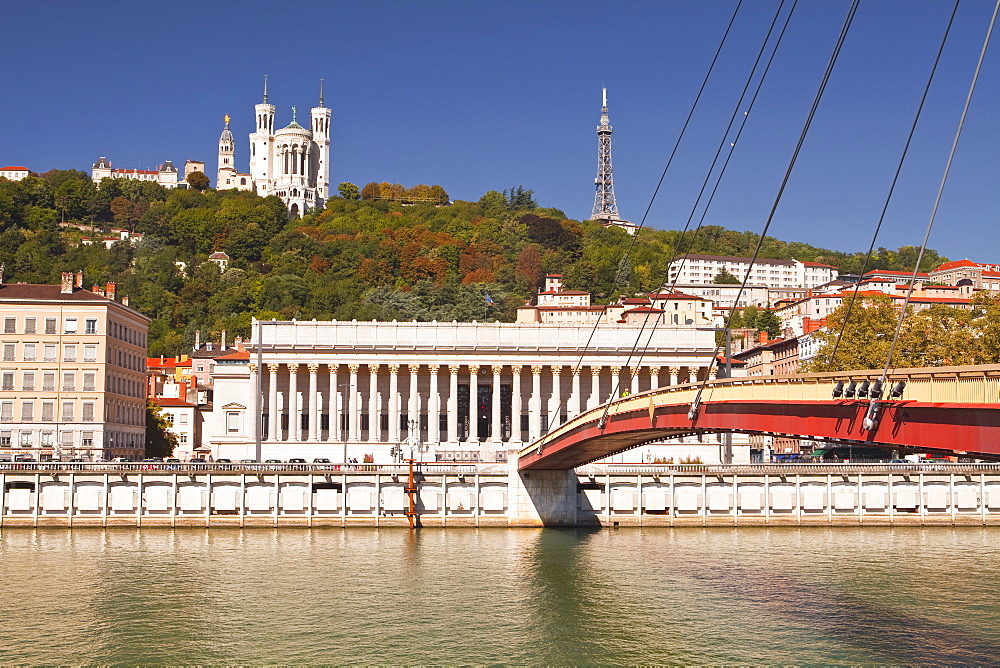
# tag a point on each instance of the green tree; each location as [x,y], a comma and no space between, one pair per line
[348,190]
[725,278]
[159,441]
[198,181]
[866,340]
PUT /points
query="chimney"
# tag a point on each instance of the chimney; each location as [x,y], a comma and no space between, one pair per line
[110,290]
[66,285]
[762,338]
[125,300]
[222,345]
[78,283]
[197,339]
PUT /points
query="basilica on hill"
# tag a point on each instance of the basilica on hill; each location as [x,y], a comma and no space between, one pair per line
[292,162]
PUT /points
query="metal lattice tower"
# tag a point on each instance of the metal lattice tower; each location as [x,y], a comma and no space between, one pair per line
[605,207]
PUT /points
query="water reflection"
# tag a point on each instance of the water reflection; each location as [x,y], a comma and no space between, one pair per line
[500,596]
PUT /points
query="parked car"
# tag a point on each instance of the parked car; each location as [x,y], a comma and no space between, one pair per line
[296,460]
[197,460]
[321,460]
[223,460]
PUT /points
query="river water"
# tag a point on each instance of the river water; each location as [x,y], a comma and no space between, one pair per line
[524,596]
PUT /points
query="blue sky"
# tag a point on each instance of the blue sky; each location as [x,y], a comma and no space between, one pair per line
[487,95]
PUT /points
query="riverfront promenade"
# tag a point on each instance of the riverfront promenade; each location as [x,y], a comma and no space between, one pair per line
[481,495]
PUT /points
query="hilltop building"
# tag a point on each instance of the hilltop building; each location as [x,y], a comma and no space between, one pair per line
[693,268]
[292,163]
[14,173]
[165,174]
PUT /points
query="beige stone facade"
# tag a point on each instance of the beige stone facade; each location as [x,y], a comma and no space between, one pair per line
[72,372]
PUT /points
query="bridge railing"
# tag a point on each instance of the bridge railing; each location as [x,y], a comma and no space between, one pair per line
[785,469]
[978,384]
[253,467]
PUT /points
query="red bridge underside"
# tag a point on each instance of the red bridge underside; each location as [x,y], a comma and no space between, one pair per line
[972,429]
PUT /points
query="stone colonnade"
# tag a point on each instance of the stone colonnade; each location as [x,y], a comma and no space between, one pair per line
[382,402]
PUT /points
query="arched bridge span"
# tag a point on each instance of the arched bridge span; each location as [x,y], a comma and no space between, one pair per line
[942,409]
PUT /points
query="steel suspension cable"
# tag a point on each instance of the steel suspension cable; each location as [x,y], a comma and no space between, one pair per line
[899,168]
[848,20]
[715,188]
[638,346]
[656,190]
[934,210]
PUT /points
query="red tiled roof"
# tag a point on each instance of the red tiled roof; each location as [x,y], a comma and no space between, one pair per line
[13,169]
[954,264]
[180,403]
[819,264]
[886,272]
[234,355]
[643,309]
[168,363]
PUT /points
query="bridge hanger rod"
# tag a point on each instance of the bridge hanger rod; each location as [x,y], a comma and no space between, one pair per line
[892,187]
[872,410]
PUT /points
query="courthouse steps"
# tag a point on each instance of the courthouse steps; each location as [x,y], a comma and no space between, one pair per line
[269,495]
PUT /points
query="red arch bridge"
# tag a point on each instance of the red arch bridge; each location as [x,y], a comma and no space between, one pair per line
[954,410]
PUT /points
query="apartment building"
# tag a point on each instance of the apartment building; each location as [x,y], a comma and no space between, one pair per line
[703,269]
[72,372]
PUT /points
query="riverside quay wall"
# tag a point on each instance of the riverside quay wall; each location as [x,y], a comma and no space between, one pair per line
[277,494]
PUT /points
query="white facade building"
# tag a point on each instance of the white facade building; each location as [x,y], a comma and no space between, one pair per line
[349,389]
[13,173]
[227,178]
[702,269]
[165,174]
[293,162]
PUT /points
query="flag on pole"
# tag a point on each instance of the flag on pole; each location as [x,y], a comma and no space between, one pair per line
[489,300]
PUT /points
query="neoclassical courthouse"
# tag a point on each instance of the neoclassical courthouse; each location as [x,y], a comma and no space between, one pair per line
[474,390]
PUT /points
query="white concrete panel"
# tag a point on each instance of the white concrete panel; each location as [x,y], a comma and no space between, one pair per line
[876,497]
[623,499]
[123,497]
[656,498]
[751,497]
[192,498]
[89,497]
[719,498]
[967,496]
[591,499]
[993,496]
[906,496]
[293,497]
[157,497]
[936,496]
[394,498]
[782,497]
[845,498]
[494,498]
[813,497]
[360,498]
[20,499]
[55,497]
[259,498]
[327,499]
[687,497]
[226,497]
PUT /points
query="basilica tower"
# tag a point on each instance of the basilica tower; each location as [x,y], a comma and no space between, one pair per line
[321,139]
[227,158]
[260,144]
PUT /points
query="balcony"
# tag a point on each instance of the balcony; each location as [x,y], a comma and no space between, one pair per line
[48,388]
[67,388]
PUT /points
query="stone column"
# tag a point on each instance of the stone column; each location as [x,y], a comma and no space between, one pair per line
[594,400]
[473,403]
[413,401]
[273,419]
[496,429]
[573,409]
[654,377]
[713,372]
[535,404]
[294,421]
[353,409]
[453,403]
[313,403]
[675,372]
[554,410]
[255,407]
[374,418]
[635,379]
[515,405]
[332,407]
[692,374]
[393,403]
[434,407]
[616,382]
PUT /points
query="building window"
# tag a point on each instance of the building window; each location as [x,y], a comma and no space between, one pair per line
[88,381]
[7,411]
[50,325]
[28,352]
[9,325]
[29,325]
[69,381]
[91,326]
[70,326]
[8,352]
[27,411]
[183,418]
[46,439]
[69,353]
[182,438]
[8,380]
[88,411]
[87,439]
[25,439]
[90,353]
[28,381]
[67,411]
[233,422]
[5,438]
[169,417]
[49,352]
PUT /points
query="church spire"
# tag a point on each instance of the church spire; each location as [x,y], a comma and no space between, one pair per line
[321,92]
[265,89]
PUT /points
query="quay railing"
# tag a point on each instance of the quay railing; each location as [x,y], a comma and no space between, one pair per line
[789,468]
[255,467]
